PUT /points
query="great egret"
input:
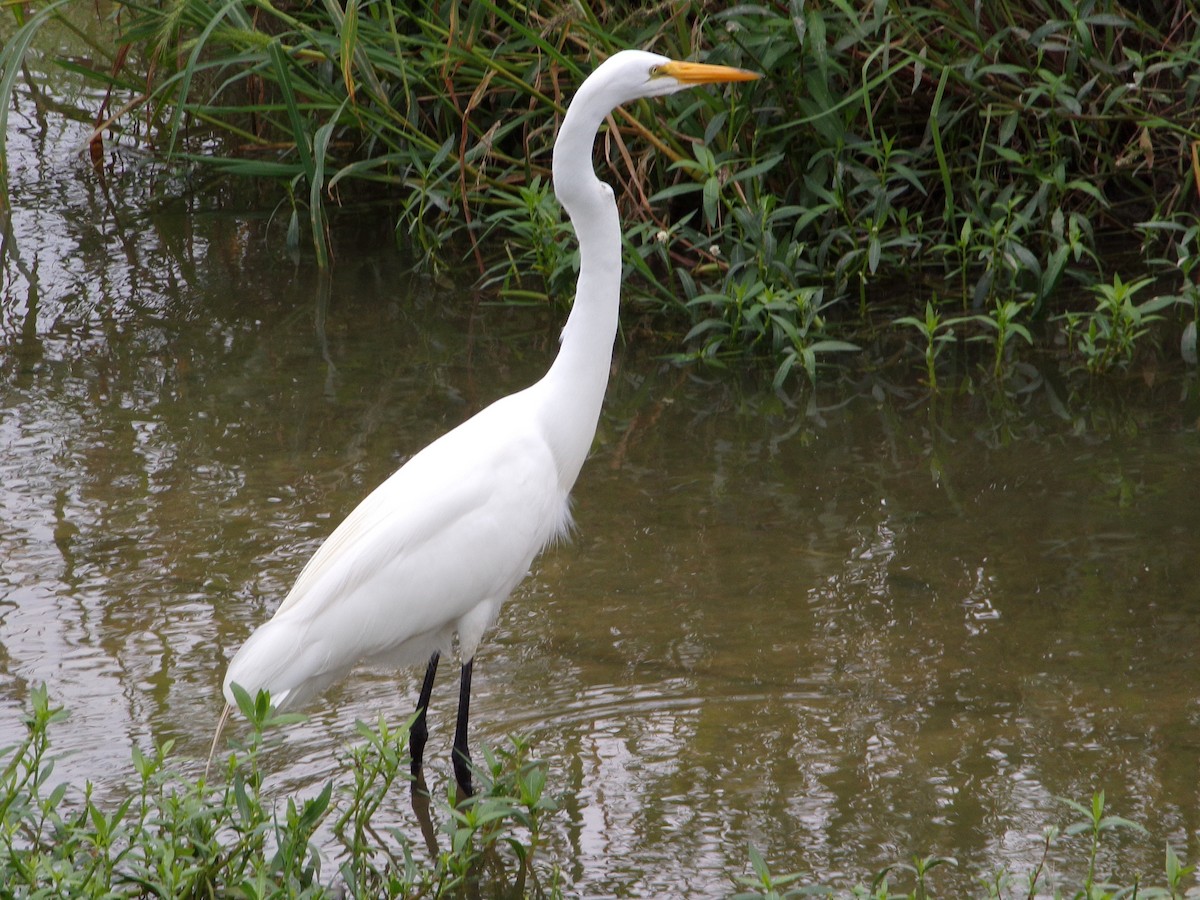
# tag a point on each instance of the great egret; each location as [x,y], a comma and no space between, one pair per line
[436,549]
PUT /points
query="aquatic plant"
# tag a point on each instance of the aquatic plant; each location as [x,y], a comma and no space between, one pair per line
[175,835]
[171,834]
[1092,827]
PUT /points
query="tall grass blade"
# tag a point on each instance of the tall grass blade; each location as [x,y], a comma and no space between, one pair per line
[183,81]
[316,184]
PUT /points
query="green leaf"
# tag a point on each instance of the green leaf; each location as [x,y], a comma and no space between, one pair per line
[712,194]
[300,138]
[832,346]
[757,169]
[231,8]
[760,867]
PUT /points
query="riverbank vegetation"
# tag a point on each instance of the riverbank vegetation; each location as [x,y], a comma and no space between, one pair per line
[975,187]
[172,833]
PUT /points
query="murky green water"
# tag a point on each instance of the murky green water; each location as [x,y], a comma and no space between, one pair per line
[845,632]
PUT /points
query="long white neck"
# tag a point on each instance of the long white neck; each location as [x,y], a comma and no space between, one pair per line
[573,389]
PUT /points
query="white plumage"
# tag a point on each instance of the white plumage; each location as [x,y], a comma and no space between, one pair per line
[434,551]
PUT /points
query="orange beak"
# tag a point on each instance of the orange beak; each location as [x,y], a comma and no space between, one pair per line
[702,73]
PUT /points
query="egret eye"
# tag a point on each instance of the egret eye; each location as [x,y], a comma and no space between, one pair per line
[655,71]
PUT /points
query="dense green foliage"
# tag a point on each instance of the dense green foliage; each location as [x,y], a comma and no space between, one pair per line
[174,835]
[177,836]
[998,176]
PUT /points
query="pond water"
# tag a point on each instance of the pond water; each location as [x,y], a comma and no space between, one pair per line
[845,627]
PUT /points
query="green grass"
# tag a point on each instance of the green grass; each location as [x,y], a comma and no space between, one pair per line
[1001,163]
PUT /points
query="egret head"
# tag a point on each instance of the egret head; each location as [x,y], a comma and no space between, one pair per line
[633,74]
[623,77]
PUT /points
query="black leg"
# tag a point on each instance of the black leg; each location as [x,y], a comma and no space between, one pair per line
[462,756]
[419,733]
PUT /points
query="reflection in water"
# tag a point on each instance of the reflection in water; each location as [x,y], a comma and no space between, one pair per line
[845,634]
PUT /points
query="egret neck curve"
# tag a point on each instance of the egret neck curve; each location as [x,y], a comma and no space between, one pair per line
[575,384]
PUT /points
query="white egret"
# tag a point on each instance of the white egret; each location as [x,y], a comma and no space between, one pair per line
[434,551]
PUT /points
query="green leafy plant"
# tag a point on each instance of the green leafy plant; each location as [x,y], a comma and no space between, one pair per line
[1107,337]
[936,332]
[1095,825]
[763,883]
[1003,320]
[170,835]
[992,156]
[174,836]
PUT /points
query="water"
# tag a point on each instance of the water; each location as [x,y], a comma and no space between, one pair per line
[845,631]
